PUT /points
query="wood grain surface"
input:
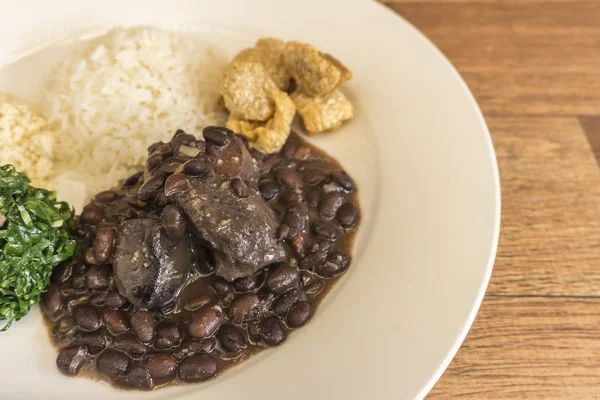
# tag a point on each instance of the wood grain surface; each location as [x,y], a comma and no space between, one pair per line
[534,68]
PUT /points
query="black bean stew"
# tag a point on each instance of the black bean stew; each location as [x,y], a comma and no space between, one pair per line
[209,255]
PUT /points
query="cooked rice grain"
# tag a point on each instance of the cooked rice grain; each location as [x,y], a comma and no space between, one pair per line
[114,95]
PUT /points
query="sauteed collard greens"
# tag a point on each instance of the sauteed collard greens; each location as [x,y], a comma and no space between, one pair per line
[34,238]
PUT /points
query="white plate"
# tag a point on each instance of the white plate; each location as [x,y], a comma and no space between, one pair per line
[421,153]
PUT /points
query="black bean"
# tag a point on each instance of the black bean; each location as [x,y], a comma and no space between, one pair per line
[306,278]
[289,178]
[314,177]
[239,188]
[88,257]
[115,321]
[244,307]
[162,366]
[167,309]
[205,259]
[336,263]
[196,167]
[143,325]
[98,277]
[173,222]
[79,270]
[200,145]
[133,179]
[130,345]
[292,196]
[94,341]
[215,135]
[249,283]
[272,331]
[62,272]
[192,346]
[181,137]
[221,286]
[103,245]
[76,301]
[269,191]
[206,321]
[83,230]
[170,165]
[347,215]
[313,197]
[65,329]
[197,368]
[299,314]
[198,301]
[124,212]
[321,245]
[232,338]
[312,260]
[164,149]
[283,303]
[268,162]
[151,188]
[314,285]
[297,219]
[106,197]
[113,363]
[92,214]
[282,232]
[87,318]
[254,331]
[168,335]
[78,286]
[176,183]
[290,146]
[137,378]
[98,299]
[282,278]
[53,303]
[155,146]
[299,244]
[226,300]
[343,180]
[154,162]
[325,230]
[114,300]
[330,203]
[71,359]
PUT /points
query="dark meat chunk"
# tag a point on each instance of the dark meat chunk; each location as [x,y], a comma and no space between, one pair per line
[241,231]
[231,158]
[149,268]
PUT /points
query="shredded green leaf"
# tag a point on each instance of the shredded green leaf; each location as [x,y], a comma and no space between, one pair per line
[35,236]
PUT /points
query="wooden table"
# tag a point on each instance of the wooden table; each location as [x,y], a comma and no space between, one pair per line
[534,67]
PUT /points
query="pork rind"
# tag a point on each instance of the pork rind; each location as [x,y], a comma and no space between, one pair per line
[246,91]
[246,128]
[315,73]
[269,53]
[323,113]
[268,137]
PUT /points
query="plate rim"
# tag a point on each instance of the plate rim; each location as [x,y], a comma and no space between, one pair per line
[497,209]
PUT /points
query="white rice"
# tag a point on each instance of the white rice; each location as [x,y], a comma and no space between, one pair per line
[113,96]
